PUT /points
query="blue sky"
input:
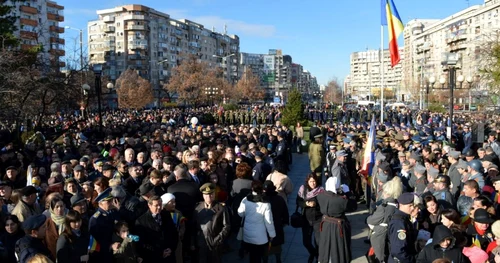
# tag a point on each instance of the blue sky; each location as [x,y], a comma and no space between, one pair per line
[319,34]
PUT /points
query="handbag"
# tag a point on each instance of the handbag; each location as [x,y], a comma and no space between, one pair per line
[370,256]
[297,219]
[239,236]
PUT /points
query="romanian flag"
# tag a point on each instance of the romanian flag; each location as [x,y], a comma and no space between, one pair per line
[93,245]
[391,19]
[368,156]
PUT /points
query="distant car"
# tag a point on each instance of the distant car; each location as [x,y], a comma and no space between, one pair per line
[473,108]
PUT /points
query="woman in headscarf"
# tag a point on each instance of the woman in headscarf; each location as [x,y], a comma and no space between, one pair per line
[335,228]
[306,199]
[280,219]
[379,220]
[55,224]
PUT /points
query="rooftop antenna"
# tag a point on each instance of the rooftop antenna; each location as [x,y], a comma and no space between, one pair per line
[468,3]
[213,29]
[225,29]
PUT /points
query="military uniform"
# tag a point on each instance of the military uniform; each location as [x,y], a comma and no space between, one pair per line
[101,228]
[402,237]
[212,227]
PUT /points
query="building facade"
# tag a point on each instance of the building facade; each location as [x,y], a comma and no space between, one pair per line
[151,42]
[464,33]
[38,24]
[277,73]
[365,74]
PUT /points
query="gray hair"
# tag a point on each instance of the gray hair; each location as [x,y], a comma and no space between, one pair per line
[180,172]
[118,192]
[55,167]
[157,162]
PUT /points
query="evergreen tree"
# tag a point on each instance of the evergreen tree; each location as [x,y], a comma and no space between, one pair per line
[294,109]
[7,25]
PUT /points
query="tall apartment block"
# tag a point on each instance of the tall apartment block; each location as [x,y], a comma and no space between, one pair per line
[151,42]
[38,25]
[366,74]
[277,73]
[464,32]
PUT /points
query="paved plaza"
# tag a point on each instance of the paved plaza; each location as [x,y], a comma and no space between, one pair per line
[293,250]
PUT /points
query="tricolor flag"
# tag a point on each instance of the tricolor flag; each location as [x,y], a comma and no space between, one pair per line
[368,157]
[93,245]
[391,19]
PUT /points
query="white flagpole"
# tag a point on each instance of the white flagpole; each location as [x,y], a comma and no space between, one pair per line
[382,74]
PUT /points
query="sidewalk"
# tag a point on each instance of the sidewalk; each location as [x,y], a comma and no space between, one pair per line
[293,250]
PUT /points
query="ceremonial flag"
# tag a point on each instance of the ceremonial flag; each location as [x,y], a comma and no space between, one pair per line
[368,157]
[394,27]
[93,245]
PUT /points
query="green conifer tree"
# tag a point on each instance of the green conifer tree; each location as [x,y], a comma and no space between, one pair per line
[294,109]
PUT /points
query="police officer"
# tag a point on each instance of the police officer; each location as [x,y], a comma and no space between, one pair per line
[442,192]
[281,149]
[401,232]
[101,226]
[213,224]
[261,168]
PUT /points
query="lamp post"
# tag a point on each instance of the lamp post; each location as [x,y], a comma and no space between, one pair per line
[211,92]
[469,81]
[81,44]
[432,80]
[110,87]
[86,89]
[97,68]
[451,60]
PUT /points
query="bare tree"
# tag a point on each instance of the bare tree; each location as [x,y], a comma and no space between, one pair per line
[192,78]
[248,88]
[333,92]
[133,91]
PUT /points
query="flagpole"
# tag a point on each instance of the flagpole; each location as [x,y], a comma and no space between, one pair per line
[382,74]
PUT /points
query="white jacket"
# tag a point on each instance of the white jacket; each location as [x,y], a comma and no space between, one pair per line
[258,224]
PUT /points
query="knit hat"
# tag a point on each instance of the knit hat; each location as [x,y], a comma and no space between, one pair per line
[495,228]
[165,198]
[475,254]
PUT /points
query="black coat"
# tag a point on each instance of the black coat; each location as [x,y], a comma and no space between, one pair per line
[29,246]
[9,243]
[69,252]
[187,195]
[335,229]
[131,185]
[280,217]
[433,251]
[155,238]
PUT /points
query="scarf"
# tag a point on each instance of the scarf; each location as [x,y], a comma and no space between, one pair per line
[479,232]
[58,220]
[310,194]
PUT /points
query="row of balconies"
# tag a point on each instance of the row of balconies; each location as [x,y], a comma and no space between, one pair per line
[55,17]
[57,52]
[28,9]
[57,40]
[28,35]
[56,29]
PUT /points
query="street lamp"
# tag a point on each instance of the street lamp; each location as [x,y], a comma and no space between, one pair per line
[450,60]
[469,81]
[86,89]
[432,80]
[97,68]
[81,44]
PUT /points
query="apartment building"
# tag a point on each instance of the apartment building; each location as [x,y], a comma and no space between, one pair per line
[142,38]
[365,74]
[464,32]
[277,72]
[38,24]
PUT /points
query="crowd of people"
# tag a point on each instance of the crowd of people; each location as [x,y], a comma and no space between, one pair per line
[165,186]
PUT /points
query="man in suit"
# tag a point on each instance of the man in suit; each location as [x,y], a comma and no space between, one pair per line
[193,169]
[186,194]
[133,182]
[157,232]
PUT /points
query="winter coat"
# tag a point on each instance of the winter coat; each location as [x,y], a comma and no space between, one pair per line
[258,220]
[380,221]
[126,253]
[8,241]
[155,238]
[281,217]
[434,251]
[282,182]
[69,252]
[23,211]
[51,236]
